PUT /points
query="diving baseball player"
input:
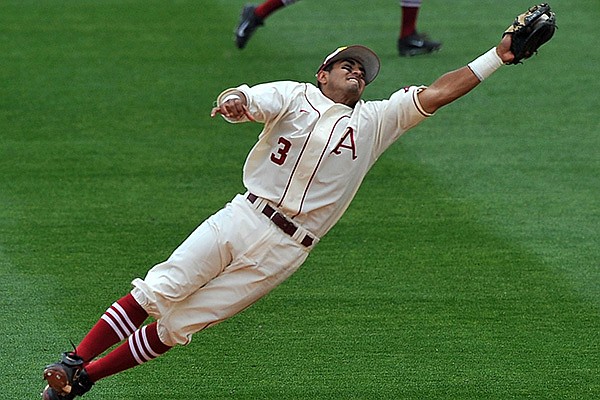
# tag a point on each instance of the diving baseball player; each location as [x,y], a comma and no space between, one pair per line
[316,146]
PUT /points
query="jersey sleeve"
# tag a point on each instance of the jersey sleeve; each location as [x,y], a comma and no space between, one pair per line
[266,101]
[401,112]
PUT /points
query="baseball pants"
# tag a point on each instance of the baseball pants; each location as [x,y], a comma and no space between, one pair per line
[229,262]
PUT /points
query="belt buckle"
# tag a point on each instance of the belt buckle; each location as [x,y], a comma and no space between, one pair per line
[285,225]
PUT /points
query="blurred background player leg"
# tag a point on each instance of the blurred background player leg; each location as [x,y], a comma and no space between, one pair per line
[411,42]
[253,16]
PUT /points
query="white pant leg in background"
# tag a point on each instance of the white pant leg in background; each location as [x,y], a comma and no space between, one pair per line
[410,3]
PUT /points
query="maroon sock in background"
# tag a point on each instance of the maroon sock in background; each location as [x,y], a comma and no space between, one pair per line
[142,346]
[408,24]
[267,8]
[119,321]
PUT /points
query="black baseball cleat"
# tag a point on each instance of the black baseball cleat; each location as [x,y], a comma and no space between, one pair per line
[248,24]
[416,44]
[66,378]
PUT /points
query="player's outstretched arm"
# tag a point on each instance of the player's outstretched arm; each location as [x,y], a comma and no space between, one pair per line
[457,83]
[520,41]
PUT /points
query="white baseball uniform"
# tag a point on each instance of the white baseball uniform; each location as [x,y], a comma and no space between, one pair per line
[301,175]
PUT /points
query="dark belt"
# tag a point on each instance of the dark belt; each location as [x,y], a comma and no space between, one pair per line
[281,221]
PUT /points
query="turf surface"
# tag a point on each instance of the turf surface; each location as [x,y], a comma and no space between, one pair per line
[466,268]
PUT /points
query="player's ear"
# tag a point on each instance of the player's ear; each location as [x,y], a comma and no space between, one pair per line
[322,76]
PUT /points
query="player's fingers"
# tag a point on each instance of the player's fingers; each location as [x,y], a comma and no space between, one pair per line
[504,49]
[215,111]
[227,110]
[238,107]
[248,115]
[235,112]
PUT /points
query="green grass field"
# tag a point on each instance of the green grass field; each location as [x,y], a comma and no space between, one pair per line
[466,268]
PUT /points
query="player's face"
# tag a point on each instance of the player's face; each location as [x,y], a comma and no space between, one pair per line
[351,73]
[345,82]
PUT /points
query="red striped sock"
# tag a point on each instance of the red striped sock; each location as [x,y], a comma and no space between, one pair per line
[119,321]
[142,346]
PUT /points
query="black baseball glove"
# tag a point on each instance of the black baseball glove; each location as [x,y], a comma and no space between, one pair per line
[530,30]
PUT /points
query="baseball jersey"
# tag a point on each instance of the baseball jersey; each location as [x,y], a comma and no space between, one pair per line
[313,153]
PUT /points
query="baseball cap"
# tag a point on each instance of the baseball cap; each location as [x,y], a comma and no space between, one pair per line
[362,54]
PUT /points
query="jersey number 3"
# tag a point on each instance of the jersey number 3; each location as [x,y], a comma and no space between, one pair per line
[282,152]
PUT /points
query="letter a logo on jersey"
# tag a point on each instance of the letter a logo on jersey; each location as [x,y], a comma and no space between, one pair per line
[347,142]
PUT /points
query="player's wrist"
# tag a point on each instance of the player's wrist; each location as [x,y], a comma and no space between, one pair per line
[486,64]
[233,96]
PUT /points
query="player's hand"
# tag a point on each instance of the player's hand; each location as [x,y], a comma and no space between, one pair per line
[503,49]
[233,109]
